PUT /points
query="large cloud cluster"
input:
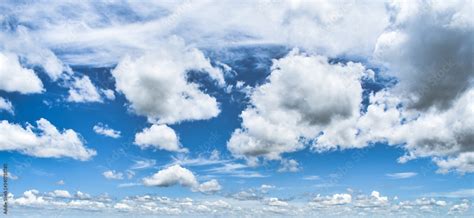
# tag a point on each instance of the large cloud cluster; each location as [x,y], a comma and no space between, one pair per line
[336,205]
[303,95]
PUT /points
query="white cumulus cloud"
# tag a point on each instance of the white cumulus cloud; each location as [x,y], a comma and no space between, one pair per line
[15,78]
[82,90]
[44,140]
[156,85]
[159,137]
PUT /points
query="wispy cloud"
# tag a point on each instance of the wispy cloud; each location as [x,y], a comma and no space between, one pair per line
[461,193]
[236,170]
[143,164]
[403,175]
[313,177]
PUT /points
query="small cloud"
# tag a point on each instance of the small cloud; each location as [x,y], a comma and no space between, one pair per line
[60,194]
[126,185]
[404,175]
[60,182]
[311,177]
[108,93]
[289,166]
[143,164]
[102,129]
[6,105]
[111,174]
[10,176]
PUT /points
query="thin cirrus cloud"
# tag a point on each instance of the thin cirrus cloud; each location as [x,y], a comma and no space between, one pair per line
[403,175]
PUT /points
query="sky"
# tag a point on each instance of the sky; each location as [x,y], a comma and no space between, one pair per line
[237,108]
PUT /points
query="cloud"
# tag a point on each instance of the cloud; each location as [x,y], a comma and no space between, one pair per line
[462,193]
[336,199]
[314,177]
[170,176]
[9,176]
[280,121]
[24,42]
[143,164]
[336,205]
[428,47]
[210,186]
[45,140]
[404,175]
[60,182]
[6,105]
[82,90]
[15,78]
[102,38]
[111,174]
[213,158]
[463,163]
[30,198]
[447,134]
[162,74]
[106,131]
[159,137]
[174,175]
[108,93]
[289,166]
[130,184]
[60,194]
[236,170]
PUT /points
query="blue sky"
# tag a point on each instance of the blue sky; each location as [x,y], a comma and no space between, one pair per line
[159,108]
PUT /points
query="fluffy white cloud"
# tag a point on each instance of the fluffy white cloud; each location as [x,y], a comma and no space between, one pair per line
[82,90]
[30,198]
[160,137]
[106,131]
[60,194]
[176,174]
[428,47]
[281,120]
[404,175]
[45,140]
[15,78]
[6,105]
[171,176]
[210,186]
[111,174]
[156,84]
